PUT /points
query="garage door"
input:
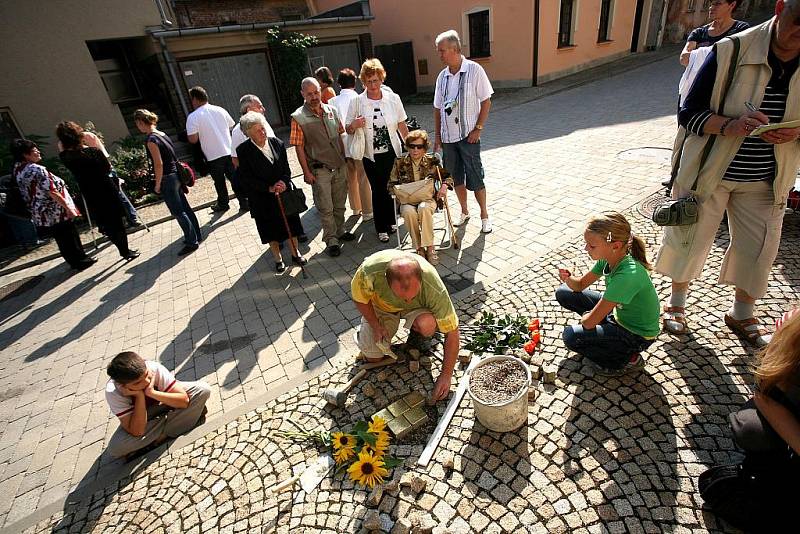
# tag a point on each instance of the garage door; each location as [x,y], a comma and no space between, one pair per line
[336,57]
[226,79]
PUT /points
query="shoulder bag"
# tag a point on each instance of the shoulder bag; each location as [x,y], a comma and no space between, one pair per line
[186,174]
[357,141]
[684,211]
[293,200]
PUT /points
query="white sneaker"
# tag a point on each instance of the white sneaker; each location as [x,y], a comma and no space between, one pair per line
[366,216]
[486,226]
[463,220]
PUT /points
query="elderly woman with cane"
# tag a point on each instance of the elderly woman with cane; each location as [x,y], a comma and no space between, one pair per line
[264,173]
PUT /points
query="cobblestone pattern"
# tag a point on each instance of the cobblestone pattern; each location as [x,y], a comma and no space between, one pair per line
[597,454]
[221,315]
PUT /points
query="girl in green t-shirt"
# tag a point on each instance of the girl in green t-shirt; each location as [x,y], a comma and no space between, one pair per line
[618,324]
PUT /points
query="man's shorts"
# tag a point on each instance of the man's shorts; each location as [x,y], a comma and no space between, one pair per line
[463,160]
[391,322]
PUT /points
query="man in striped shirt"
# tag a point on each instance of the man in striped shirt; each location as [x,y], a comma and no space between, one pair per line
[463,94]
[728,169]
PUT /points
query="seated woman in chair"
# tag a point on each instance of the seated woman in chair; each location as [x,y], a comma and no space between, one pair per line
[419,182]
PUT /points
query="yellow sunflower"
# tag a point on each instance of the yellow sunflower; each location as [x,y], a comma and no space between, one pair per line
[380,447]
[343,441]
[342,455]
[367,470]
[377,425]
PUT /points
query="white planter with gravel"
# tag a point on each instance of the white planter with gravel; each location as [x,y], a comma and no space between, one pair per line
[498,386]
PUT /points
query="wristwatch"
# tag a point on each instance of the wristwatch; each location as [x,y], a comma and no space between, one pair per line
[479,126]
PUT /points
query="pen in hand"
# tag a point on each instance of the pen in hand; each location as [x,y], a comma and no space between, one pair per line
[750,106]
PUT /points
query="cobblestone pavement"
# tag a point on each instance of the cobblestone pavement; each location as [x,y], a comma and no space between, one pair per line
[596,455]
[221,315]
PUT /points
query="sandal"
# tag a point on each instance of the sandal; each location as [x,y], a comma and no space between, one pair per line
[674,320]
[433,257]
[749,330]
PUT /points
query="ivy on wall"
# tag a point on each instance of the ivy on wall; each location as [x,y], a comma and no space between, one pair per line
[290,64]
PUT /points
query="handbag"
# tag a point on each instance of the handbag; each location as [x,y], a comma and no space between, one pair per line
[415,192]
[684,211]
[293,200]
[356,141]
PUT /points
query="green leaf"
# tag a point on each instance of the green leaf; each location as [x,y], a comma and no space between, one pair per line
[361,426]
[367,437]
[390,462]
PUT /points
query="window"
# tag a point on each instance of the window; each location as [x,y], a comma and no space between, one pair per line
[604,32]
[479,34]
[565,23]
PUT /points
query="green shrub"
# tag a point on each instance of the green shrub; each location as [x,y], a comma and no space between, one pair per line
[131,163]
[288,52]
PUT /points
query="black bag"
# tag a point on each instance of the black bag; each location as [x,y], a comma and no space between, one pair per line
[293,200]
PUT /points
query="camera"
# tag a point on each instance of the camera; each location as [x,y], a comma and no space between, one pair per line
[679,212]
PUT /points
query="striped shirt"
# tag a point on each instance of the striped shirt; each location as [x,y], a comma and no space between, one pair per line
[755,159]
[458,96]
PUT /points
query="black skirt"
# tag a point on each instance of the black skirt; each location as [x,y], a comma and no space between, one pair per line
[272,228]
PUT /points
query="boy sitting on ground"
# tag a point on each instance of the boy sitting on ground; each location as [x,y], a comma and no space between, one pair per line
[150,403]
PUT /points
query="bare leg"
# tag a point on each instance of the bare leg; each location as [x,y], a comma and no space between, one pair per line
[275,248]
[480,196]
[461,193]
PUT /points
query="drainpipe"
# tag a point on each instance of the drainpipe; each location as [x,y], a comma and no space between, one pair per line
[161,11]
[535,80]
[170,61]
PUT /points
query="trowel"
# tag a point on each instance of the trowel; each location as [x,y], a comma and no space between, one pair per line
[309,478]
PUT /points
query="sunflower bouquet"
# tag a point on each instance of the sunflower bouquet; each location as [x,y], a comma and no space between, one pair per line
[361,452]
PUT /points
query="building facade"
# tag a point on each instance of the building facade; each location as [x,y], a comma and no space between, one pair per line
[98,60]
[519,42]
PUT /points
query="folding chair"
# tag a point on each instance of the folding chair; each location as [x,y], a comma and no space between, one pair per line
[449,236]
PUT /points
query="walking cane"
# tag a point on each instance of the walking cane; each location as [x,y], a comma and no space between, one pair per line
[292,245]
[453,235]
[89,219]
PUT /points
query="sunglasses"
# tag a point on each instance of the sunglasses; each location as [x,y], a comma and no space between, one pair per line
[420,147]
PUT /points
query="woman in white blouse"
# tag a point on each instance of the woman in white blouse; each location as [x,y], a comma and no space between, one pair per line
[380,112]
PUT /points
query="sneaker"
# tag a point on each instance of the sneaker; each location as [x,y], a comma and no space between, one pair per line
[135,223]
[463,220]
[299,260]
[218,208]
[635,363]
[280,267]
[367,216]
[383,237]
[333,250]
[187,249]
[486,226]
[347,236]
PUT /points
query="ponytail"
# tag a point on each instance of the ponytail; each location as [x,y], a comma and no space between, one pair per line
[615,227]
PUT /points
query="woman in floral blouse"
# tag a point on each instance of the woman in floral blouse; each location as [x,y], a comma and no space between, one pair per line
[417,167]
[49,202]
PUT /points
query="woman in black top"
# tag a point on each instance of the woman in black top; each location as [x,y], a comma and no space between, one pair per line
[161,153]
[722,25]
[264,173]
[99,189]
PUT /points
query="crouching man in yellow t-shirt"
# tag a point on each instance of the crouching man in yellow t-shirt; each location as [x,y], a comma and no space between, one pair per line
[391,285]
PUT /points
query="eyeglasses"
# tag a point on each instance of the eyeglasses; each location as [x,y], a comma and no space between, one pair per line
[419,147]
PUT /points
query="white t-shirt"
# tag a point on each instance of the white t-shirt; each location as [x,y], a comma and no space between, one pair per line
[342,103]
[213,124]
[462,93]
[238,137]
[121,405]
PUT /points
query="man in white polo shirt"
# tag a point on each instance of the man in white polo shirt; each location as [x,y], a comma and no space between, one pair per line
[211,126]
[460,108]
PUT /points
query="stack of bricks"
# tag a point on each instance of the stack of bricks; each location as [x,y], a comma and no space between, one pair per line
[404,415]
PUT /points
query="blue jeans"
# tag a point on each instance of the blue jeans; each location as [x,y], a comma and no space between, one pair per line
[130,211]
[608,345]
[463,160]
[180,209]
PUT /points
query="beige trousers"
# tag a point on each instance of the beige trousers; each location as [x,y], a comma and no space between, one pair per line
[330,194]
[754,221]
[358,189]
[391,322]
[419,222]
